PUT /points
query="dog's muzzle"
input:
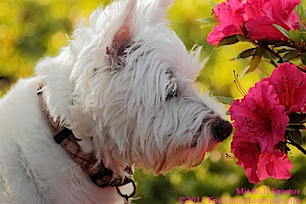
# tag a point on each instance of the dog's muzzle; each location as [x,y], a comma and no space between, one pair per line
[222,130]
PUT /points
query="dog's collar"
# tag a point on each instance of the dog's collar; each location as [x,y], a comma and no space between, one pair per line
[100,175]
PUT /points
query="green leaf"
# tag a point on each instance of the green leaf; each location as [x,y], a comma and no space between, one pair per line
[290,55]
[302,28]
[303,57]
[289,128]
[228,40]
[260,51]
[300,10]
[282,50]
[243,38]
[295,35]
[295,137]
[254,63]
[225,99]
[246,53]
[270,56]
[282,30]
[296,126]
[244,30]
[207,21]
[297,118]
[303,35]
[283,147]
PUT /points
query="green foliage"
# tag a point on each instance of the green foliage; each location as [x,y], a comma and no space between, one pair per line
[282,30]
[228,40]
[225,100]
[30,29]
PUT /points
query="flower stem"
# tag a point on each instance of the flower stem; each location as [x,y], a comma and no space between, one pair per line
[300,148]
[273,63]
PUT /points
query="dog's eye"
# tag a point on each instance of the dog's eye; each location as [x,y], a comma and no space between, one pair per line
[171,95]
[171,90]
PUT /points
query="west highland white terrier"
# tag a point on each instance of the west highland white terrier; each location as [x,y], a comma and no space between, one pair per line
[119,95]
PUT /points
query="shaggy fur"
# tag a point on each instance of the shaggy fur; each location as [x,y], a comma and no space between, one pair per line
[123,85]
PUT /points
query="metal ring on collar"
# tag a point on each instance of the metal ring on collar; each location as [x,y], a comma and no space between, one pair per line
[132,194]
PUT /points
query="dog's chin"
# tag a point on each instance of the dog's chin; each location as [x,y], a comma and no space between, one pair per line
[209,149]
[213,146]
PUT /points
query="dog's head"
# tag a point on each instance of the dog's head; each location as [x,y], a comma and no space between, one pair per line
[133,100]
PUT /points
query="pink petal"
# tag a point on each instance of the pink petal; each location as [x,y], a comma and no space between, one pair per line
[251,175]
[274,165]
[282,165]
[290,85]
[253,9]
[260,117]
[255,28]
[281,12]
[257,16]
[215,36]
[248,154]
[230,17]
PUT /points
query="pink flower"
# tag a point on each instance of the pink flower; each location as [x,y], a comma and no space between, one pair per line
[253,8]
[259,166]
[230,17]
[260,117]
[248,154]
[256,16]
[262,28]
[276,166]
[290,85]
[280,12]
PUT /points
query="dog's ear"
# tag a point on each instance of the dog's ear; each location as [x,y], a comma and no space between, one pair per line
[161,8]
[124,34]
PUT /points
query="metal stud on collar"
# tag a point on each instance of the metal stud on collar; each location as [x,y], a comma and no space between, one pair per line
[127,196]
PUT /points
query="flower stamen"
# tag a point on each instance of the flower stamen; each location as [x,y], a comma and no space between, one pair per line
[230,156]
[238,85]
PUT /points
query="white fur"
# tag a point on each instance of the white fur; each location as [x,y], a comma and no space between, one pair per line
[114,100]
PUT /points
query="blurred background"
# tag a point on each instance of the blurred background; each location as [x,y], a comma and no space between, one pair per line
[31,29]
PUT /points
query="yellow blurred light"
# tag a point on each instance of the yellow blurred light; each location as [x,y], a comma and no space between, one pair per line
[175,178]
[58,39]
[4,8]
[3,31]
[232,178]
[215,156]
[44,2]
[201,173]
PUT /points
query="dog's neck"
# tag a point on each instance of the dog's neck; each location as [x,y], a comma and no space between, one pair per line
[60,98]
[100,175]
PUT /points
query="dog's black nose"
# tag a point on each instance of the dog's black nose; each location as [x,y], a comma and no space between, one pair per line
[223,129]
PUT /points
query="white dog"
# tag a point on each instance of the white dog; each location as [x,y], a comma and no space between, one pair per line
[121,95]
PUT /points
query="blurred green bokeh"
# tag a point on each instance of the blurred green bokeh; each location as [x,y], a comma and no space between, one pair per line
[30,29]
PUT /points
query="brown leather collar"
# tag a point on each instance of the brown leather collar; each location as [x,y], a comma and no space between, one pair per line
[100,175]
